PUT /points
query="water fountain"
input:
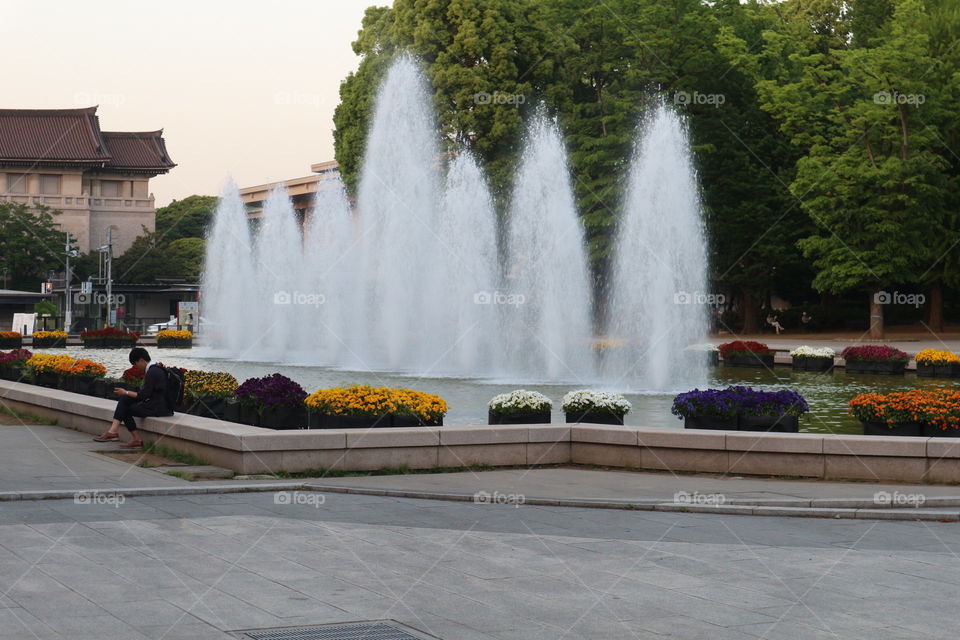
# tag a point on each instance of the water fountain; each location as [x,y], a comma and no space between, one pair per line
[658,285]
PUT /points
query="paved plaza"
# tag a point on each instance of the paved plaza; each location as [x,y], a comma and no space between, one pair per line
[213,565]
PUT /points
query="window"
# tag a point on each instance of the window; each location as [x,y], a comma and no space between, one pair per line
[49,183]
[110,188]
[16,183]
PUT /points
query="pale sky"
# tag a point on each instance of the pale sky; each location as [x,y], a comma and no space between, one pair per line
[241,89]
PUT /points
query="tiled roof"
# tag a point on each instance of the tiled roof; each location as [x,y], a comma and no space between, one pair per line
[51,135]
[73,136]
[137,150]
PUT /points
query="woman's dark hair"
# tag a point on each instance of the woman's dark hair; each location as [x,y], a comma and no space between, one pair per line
[138,353]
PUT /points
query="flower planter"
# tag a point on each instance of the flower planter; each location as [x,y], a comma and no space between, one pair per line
[710,422]
[78,384]
[951,370]
[13,374]
[282,417]
[231,410]
[518,418]
[931,431]
[206,406]
[93,343]
[249,415]
[326,421]
[594,417]
[871,428]
[398,420]
[749,360]
[48,343]
[876,367]
[174,343]
[47,379]
[103,388]
[11,343]
[812,364]
[778,424]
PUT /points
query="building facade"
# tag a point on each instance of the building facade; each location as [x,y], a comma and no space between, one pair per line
[301,190]
[99,180]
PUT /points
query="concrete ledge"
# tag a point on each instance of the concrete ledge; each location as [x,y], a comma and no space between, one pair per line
[246,449]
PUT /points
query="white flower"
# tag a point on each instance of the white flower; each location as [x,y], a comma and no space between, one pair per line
[585,400]
[813,352]
[520,401]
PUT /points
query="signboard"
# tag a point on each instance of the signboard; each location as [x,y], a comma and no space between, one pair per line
[188,315]
[24,322]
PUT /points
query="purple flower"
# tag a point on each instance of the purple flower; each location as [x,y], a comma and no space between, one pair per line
[271,391]
[727,403]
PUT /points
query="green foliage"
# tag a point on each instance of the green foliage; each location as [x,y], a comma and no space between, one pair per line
[187,218]
[30,245]
[45,308]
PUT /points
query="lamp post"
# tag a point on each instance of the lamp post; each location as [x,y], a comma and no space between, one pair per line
[107,249]
[68,276]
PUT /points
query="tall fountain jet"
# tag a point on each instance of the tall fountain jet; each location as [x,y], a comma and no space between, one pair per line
[545,305]
[659,274]
[228,277]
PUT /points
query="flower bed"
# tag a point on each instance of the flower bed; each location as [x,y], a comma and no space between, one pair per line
[205,392]
[519,407]
[740,408]
[174,339]
[364,407]
[10,340]
[746,353]
[876,359]
[917,412]
[937,363]
[109,338]
[43,368]
[594,406]
[276,400]
[79,376]
[812,358]
[12,364]
[48,339]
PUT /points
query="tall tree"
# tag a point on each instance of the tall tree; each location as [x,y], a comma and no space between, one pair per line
[30,245]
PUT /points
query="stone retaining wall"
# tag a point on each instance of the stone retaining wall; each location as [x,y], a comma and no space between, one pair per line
[246,449]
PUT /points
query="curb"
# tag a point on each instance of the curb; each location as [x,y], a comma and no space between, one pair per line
[815,508]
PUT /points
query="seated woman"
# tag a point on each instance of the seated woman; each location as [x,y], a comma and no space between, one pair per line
[150,400]
[774,322]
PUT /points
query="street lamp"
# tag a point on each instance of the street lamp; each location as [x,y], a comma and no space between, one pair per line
[67,277]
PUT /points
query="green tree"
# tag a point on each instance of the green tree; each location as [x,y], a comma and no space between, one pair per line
[30,245]
[187,218]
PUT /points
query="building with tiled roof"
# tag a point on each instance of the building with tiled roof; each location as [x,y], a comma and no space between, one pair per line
[99,180]
[302,191]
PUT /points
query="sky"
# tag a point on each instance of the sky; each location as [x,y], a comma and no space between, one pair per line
[240,89]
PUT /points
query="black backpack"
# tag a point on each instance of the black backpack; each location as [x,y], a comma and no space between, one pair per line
[173,394]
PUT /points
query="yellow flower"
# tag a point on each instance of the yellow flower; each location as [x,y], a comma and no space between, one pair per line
[44,335]
[181,334]
[936,356]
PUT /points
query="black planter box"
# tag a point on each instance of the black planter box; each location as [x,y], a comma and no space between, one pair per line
[13,374]
[777,424]
[92,343]
[519,418]
[325,421]
[231,411]
[47,379]
[750,360]
[11,343]
[174,343]
[931,431]
[78,384]
[206,406]
[710,422]
[886,368]
[283,417]
[103,388]
[249,415]
[813,364]
[108,343]
[397,420]
[48,343]
[951,370]
[594,417]
[872,428]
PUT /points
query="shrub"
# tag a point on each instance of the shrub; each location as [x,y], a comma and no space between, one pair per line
[271,391]
[874,353]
